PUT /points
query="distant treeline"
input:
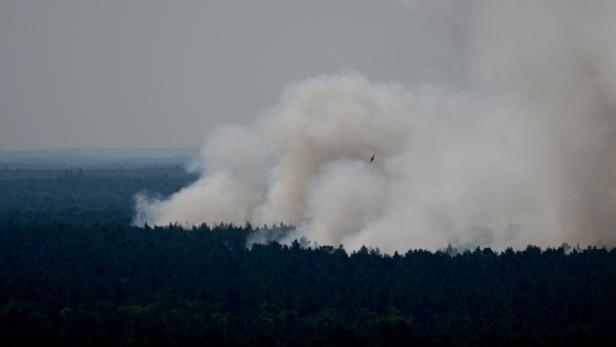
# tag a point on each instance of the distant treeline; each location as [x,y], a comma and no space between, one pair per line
[112,284]
[82,195]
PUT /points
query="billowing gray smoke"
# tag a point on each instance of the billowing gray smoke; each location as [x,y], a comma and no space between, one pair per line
[526,153]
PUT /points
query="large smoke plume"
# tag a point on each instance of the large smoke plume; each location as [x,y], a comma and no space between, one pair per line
[525,153]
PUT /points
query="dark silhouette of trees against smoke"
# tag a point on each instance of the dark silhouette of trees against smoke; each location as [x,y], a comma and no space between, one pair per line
[84,276]
[108,284]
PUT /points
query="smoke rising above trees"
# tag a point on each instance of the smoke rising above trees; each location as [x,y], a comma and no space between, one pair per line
[524,153]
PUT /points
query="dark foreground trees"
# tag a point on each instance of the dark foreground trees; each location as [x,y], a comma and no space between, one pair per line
[111,284]
[72,272]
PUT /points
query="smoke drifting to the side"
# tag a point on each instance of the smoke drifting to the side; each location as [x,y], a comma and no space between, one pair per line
[525,154]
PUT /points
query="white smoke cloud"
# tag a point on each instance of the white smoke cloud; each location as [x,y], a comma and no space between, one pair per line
[526,153]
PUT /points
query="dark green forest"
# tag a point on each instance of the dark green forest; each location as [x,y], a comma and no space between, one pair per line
[80,195]
[75,272]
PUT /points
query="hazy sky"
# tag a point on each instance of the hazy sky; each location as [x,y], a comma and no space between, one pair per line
[153,73]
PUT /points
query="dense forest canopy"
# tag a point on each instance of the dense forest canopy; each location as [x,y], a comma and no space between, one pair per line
[74,271]
[76,195]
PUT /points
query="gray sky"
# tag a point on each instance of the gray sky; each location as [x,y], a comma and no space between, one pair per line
[153,73]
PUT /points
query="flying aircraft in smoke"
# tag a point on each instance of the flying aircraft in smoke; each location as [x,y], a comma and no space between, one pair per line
[372,159]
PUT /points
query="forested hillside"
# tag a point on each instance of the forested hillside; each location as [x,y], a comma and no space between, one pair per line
[113,284]
[87,277]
